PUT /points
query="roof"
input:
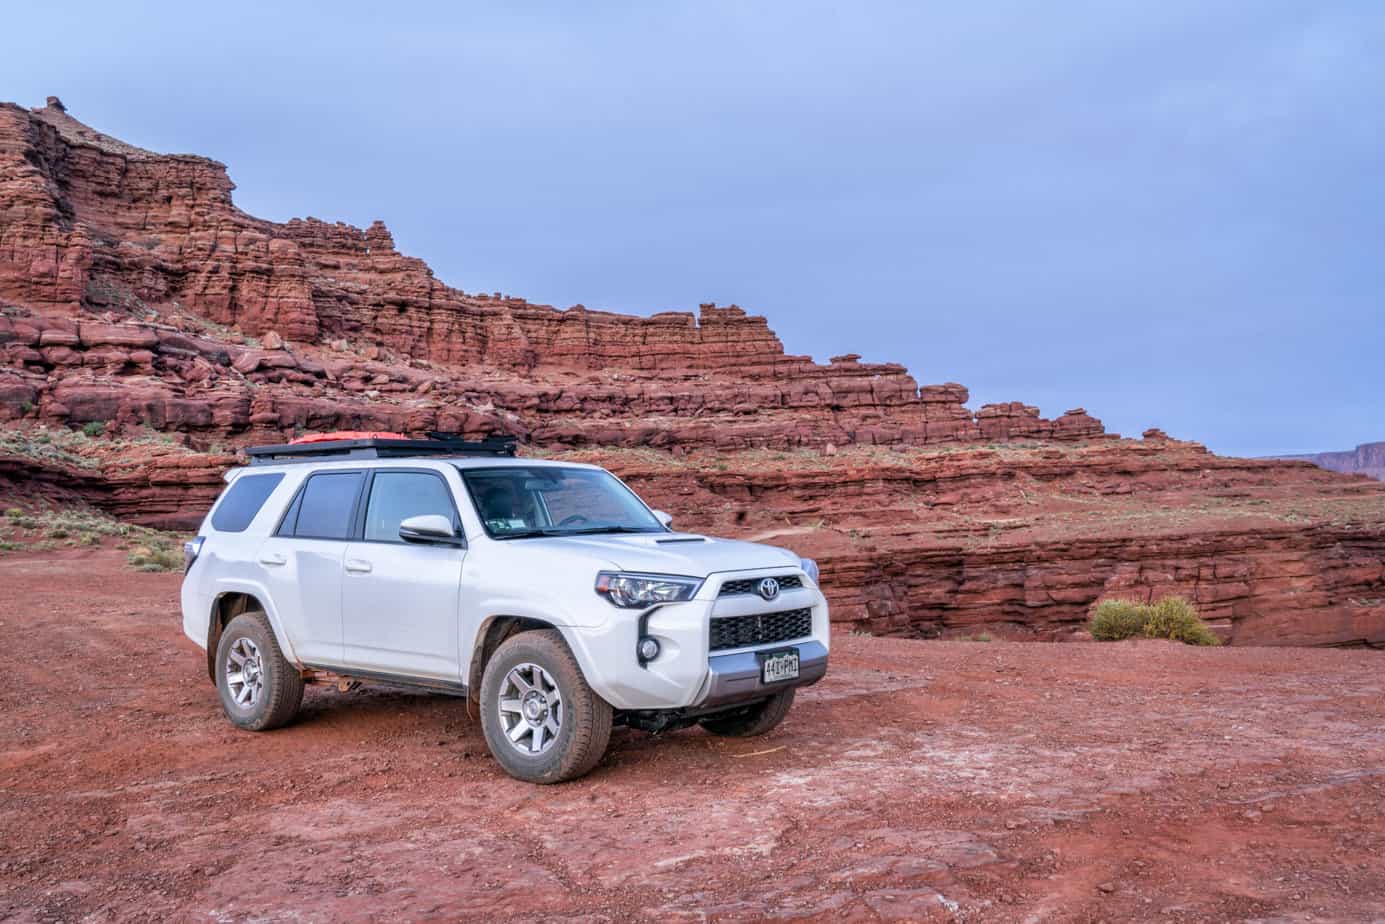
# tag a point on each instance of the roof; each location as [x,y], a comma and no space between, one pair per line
[355,444]
[460,462]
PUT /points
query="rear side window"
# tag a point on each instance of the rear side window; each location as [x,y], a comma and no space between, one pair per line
[242,501]
[323,508]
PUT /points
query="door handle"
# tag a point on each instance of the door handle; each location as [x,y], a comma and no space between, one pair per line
[357,566]
[274,558]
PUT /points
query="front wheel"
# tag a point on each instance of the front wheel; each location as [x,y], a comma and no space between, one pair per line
[757,719]
[541,720]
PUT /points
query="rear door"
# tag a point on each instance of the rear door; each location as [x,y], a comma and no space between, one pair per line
[302,563]
[400,600]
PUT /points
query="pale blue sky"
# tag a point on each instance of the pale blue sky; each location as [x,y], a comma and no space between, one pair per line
[1171,213]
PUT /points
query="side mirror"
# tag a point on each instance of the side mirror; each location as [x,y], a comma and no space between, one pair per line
[431,528]
[664,518]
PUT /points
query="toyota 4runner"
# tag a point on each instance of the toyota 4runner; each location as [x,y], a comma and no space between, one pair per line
[547,592]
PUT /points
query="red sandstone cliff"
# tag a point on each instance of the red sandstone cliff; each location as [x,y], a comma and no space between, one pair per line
[118,264]
[134,293]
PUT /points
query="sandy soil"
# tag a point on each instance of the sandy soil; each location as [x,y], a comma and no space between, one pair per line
[921,781]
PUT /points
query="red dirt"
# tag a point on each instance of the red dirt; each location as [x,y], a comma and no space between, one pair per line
[920,781]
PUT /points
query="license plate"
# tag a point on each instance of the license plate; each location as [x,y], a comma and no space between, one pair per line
[778,666]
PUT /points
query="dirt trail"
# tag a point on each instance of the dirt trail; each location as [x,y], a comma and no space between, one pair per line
[920,781]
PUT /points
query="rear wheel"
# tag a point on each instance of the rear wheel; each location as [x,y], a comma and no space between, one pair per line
[259,688]
[542,722]
[756,719]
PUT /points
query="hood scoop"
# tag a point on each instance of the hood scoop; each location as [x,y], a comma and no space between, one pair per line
[681,539]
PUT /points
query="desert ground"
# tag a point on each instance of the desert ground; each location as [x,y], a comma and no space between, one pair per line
[922,780]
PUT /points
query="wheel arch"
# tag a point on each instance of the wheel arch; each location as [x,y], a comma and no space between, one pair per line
[227,605]
[494,630]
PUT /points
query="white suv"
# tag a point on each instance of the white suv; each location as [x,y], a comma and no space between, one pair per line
[546,591]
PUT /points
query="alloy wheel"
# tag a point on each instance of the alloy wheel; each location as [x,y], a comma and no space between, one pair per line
[531,709]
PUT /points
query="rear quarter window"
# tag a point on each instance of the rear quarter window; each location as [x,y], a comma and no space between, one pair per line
[242,501]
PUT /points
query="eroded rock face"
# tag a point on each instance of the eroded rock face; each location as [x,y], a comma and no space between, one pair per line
[134,293]
[352,332]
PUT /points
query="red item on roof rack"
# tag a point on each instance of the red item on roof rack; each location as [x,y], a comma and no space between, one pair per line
[375,444]
[347,435]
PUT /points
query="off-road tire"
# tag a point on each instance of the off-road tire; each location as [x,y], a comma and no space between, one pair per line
[282,691]
[585,729]
[756,719]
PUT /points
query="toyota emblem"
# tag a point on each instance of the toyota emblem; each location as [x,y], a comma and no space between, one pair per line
[769,588]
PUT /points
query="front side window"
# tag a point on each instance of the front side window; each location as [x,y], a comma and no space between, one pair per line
[396,496]
[243,500]
[324,506]
[550,501]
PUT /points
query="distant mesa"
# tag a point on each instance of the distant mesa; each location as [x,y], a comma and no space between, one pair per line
[1365,459]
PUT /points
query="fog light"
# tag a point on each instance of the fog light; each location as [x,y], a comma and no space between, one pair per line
[648,649]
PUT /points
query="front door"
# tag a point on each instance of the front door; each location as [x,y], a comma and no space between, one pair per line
[400,600]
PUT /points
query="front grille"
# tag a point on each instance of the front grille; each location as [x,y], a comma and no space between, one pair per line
[760,628]
[751,585]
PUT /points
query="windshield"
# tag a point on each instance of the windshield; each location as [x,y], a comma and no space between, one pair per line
[519,502]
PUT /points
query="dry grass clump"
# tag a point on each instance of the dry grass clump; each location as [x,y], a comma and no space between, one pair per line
[155,558]
[1114,620]
[1171,618]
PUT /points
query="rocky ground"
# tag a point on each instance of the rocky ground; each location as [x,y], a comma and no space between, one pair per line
[921,780]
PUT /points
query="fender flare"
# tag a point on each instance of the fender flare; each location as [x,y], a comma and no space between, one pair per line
[261,594]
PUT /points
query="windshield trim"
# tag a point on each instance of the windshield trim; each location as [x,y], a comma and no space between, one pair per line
[554,532]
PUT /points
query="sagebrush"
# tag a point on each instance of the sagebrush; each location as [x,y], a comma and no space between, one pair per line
[1170,617]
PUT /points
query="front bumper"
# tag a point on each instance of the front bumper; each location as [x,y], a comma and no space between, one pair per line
[686,675]
[735,678]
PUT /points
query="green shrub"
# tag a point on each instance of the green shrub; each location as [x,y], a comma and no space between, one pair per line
[1117,619]
[14,513]
[1175,618]
[93,428]
[1171,618]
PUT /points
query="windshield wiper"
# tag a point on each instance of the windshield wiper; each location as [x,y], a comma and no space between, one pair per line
[587,531]
[611,529]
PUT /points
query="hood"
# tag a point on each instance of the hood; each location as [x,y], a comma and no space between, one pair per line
[668,553]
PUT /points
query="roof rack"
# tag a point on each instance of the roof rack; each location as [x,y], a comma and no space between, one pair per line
[326,450]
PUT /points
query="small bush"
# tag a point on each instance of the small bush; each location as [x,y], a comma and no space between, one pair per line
[154,558]
[14,513]
[1171,618]
[93,428]
[1117,619]
[1175,618]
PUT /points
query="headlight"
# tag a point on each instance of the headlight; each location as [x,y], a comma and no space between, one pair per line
[634,591]
[809,567]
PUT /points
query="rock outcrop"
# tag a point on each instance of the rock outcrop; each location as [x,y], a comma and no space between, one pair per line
[135,295]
